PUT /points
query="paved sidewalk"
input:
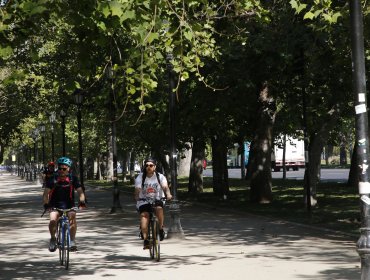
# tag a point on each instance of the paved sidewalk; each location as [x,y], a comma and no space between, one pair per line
[217,245]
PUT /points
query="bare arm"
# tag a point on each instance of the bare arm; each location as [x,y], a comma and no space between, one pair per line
[167,191]
[81,194]
[137,192]
[45,196]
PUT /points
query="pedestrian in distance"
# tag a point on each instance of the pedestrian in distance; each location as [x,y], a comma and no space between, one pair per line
[59,193]
[151,184]
[47,173]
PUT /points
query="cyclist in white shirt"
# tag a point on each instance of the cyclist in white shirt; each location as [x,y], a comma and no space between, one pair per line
[151,184]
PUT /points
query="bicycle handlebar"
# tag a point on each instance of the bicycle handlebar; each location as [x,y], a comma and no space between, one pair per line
[60,210]
[150,200]
[65,210]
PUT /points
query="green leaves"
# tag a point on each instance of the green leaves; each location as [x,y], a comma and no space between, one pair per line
[325,10]
[296,5]
[5,52]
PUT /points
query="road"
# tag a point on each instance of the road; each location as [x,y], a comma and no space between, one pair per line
[334,175]
[219,244]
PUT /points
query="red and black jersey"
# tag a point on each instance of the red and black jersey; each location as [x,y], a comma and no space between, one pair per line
[62,191]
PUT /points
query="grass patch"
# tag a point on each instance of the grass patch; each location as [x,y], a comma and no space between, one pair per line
[337,209]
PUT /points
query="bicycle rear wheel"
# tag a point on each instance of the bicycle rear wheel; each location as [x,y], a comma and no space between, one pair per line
[156,242]
[67,240]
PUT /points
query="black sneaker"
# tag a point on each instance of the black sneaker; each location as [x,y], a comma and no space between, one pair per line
[52,245]
[141,235]
[161,234]
[146,244]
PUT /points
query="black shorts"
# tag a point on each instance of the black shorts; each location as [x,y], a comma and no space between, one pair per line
[148,208]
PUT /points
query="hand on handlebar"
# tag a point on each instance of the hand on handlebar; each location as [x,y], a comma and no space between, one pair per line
[82,205]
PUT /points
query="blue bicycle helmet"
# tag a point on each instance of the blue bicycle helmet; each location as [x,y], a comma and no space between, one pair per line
[65,161]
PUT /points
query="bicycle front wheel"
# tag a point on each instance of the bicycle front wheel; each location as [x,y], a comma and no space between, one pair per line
[67,240]
[156,242]
[59,242]
[151,238]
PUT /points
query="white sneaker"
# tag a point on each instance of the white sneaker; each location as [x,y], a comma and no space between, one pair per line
[72,246]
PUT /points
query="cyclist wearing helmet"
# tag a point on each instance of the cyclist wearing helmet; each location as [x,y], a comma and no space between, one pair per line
[47,173]
[59,193]
[150,183]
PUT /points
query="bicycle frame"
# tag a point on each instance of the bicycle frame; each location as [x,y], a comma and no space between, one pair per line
[153,231]
[64,236]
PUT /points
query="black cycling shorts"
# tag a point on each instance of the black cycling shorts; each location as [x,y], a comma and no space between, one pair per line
[147,208]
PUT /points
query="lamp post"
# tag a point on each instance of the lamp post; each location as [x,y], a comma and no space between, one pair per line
[52,119]
[35,135]
[78,100]
[112,108]
[175,229]
[42,130]
[63,115]
[362,136]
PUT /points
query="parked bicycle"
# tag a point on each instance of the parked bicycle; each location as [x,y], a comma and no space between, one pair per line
[153,231]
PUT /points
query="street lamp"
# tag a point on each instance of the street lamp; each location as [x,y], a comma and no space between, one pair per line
[63,115]
[52,119]
[78,100]
[112,108]
[34,135]
[362,136]
[175,229]
[42,130]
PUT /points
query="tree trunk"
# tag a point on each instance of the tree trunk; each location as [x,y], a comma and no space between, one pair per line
[328,154]
[90,168]
[196,167]
[242,159]
[343,155]
[260,155]
[98,169]
[317,141]
[219,166]
[185,161]
[132,167]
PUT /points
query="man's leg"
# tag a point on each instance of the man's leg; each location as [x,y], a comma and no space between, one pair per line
[160,215]
[72,224]
[144,221]
[73,229]
[54,215]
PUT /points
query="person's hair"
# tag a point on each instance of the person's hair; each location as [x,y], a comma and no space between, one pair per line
[150,159]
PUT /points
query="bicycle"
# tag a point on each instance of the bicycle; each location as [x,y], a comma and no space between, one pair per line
[64,236]
[153,231]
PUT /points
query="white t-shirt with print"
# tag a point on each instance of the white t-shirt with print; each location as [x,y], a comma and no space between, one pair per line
[152,188]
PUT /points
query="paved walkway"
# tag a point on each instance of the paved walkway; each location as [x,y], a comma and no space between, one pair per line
[217,245]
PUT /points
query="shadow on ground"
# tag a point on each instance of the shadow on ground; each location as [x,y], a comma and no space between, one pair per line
[109,243]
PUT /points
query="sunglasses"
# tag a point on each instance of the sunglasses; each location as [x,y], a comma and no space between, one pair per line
[62,168]
[149,165]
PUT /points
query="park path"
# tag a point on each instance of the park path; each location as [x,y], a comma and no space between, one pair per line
[218,244]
